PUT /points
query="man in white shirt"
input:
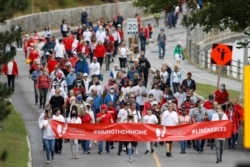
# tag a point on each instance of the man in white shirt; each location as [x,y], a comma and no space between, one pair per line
[180,95]
[87,36]
[100,34]
[94,68]
[157,93]
[59,50]
[140,93]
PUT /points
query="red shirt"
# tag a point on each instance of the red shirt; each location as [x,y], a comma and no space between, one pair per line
[73,61]
[145,31]
[51,65]
[113,113]
[78,89]
[33,55]
[208,104]
[121,34]
[43,81]
[82,49]
[147,105]
[14,69]
[221,97]
[99,51]
[86,118]
[68,41]
[107,119]
[240,110]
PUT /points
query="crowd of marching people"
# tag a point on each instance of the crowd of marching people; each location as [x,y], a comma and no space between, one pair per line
[68,85]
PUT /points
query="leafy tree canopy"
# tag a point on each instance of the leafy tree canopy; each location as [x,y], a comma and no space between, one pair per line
[221,14]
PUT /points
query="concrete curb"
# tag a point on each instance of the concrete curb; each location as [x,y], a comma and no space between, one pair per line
[29,154]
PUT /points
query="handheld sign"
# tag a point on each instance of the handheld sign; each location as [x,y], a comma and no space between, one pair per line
[221,54]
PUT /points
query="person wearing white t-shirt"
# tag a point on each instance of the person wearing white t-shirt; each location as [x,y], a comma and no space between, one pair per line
[59,50]
[169,118]
[87,35]
[150,119]
[100,34]
[157,93]
[140,93]
[129,89]
[94,68]
[122,117]
[135,114]
[180,95]
[96,87]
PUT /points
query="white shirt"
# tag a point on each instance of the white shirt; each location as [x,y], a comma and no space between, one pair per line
[94,68]
[87,35]
[58,118]
[136,114]
[9,67]
[128,90]
[215,117]
[150,119]
[74,120]
[122,115]
[100,36]
[91,113]
[123,52]
[86,85]
[116,36]
[60,50]
[169,118]
[180,97]
[157,94]
[139,90]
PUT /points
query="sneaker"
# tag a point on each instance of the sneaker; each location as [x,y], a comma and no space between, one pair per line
[119,153]
[112,147]
[76,157]
[152,151]
[99,152]
[48,162]
[236,142]
[146,152]
[87,152]
[130,159]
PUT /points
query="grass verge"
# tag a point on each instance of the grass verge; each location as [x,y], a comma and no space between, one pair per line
[204,90]
[13,139]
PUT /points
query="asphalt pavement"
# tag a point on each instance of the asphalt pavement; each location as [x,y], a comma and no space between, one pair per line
[23,99]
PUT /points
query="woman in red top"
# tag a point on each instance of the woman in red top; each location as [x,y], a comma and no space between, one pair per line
[43,86]
[222,96]
[233,116]
[52,64]
[11,70]
[82,48]
[100,52]
[33,54]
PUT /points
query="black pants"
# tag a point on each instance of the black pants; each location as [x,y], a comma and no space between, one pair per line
[145,79]
[100,60]
[123,62]
[58,145]
[42,96]
[11,81]
[116,44]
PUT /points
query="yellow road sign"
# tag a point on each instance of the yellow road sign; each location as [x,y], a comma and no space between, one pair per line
[247,106]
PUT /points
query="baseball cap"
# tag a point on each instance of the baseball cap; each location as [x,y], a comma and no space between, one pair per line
[104,107]
[154,103]
[89,99]
[85,74]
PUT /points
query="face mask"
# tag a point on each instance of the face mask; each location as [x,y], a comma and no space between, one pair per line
[184,114]
[81,59]
[202,104]
[97,83]
[79,98]
[222,88]
[151,99]
[79,84]
[73,114]
[112,90]
[59,77]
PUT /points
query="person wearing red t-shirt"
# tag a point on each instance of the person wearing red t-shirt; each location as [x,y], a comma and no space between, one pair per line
[143,35]
[240,110]
[33,54]
[51,64]
[121,33]
[103,117]
[86,119]
[10,69]
[74,59]
[100,52]
[82,48]
[138,20]
[150,31]
[68,41]
[113,111]
[222,96]
[208,104]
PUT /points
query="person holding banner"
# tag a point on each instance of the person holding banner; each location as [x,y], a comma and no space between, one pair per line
[219,142]
[103,117]
[74,119]
[169,118]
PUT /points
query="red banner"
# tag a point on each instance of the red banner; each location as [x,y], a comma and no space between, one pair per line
[143,132]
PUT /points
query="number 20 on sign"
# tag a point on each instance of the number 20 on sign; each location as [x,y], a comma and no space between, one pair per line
[132,26]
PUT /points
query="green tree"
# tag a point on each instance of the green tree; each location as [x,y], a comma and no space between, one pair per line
[8,8]
[221,14]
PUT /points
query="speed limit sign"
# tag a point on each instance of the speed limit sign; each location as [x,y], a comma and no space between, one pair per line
[132,26]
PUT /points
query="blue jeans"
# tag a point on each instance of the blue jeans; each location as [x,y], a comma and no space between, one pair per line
[100,146]
[161,49]
[231,141]
[183,145]
[49,147]
[199,145]
[85,145]
[143,44]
